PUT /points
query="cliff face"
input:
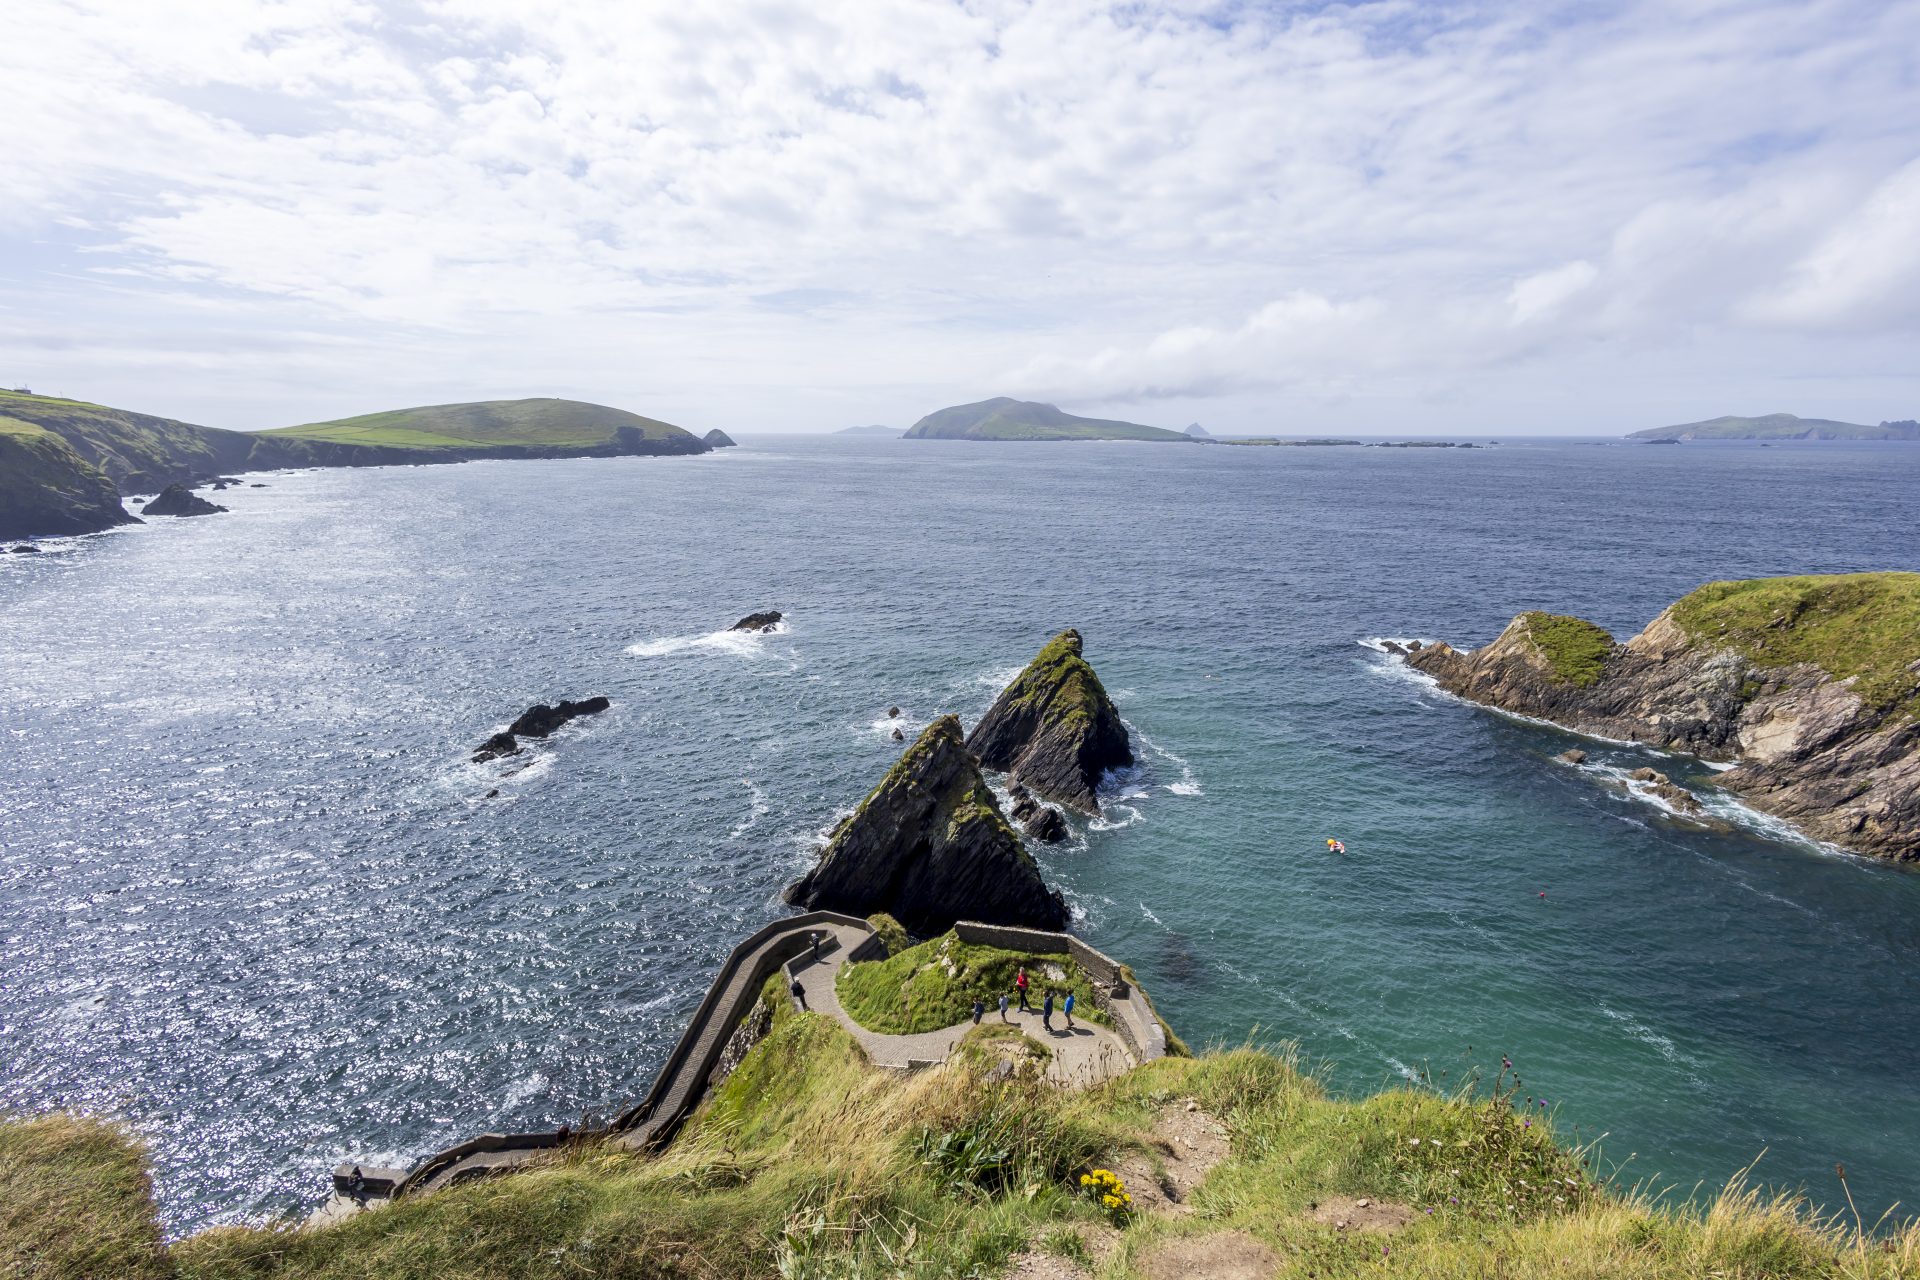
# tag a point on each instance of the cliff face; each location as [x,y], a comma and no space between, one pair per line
[1810,685]
[48,489]
[1054,729]
[930,847]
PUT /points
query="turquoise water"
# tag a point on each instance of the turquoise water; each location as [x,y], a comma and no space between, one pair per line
[255,899]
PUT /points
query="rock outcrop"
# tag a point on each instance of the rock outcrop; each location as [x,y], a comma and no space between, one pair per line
[1042,822]
[1810,686]
[930,846]
[718,439]
[1054,729]
[758,621]
[47,488]
[537,721]
[178,500]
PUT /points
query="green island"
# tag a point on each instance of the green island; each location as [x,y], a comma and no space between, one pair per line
[808,1161]
[1006,419]
[1575,648]
[1779,426]
[487,425]
[1862,626]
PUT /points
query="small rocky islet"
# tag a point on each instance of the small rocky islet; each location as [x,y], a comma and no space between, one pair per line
[1808,686]
[537,721]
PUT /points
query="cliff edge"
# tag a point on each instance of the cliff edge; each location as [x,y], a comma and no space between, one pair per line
[1054,729]
[930,846]
[1809,685]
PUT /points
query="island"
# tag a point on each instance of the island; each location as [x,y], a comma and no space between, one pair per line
[1778,426]
[1005,419]
[1808,686]
[876,431]
[64,464]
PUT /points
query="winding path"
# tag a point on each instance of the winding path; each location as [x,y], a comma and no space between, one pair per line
[1083,1056]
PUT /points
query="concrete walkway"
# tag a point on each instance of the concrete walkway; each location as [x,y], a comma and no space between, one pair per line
[1084,1056]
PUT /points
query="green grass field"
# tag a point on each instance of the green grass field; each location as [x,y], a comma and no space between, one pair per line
[807,1162]
[1860,625]
[935,984]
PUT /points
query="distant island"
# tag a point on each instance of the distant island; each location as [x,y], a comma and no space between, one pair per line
[1198,432]
[1005,419]
[64,464]
[1778,426]
[891,433]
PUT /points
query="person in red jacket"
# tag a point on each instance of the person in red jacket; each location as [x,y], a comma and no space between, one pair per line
[1020,985]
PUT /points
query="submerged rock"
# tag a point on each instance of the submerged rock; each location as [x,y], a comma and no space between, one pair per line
[25,549]
[1573,756]
[1054,729]
[178,500]
[899,736]
[1809,685]
[758,621]
[930,846]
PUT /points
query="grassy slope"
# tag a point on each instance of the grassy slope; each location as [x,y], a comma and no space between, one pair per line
[934,985]
[1773,426]
[1863,625]
[545,423]
[46,487]
[123,443]
[1573,647]
[1005,419]
[75,1202]
[807,1163]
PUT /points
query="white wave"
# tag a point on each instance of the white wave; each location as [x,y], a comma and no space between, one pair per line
[998,678]
[522,1089]
[743,644]
[1147,911]
[1646,1035]
[885,726]
[1239,973]
[1115,816]
[756,809]
[1185,788]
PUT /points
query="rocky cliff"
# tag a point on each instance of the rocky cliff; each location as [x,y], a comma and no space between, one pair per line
[1810,686]
[929,847]
[47,488]
[1054,729]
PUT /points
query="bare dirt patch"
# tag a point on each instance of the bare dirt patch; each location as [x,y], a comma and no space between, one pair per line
[1345,1213]
[1043,1264]
[1229,1255]
[1189,1143]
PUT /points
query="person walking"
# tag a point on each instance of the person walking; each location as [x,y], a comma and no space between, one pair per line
[800,994]
[1046,1010]
[814,938]
[1020,985]
[1003,1007]
[357,1187]
[1067,1009]
[979,1007]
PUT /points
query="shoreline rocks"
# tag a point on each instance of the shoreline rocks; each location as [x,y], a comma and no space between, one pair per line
[930,846]
[178,500]
[1054,729]
[1809,686]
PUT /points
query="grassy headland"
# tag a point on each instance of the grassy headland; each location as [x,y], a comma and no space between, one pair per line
[1573,647]
[808,1162]
[934,985]
[1860,625]
[514,424]
[1779,426]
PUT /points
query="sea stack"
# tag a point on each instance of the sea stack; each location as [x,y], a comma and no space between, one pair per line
[1054,729]
[178,500]
[930,846]
[1809,685]
[718,439]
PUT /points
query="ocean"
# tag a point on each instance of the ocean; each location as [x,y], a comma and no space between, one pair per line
[255,900]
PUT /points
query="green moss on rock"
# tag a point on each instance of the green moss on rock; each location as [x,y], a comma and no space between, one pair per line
[1859,626]
[1575,648]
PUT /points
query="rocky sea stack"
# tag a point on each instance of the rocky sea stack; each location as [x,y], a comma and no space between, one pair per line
[537,721]
[1054,729]
[1809,685]
[718,439]
[178,500]
[929,847]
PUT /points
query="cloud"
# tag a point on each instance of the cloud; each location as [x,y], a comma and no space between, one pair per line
[1099,200]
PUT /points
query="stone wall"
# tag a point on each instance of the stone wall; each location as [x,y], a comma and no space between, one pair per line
[1134,1020]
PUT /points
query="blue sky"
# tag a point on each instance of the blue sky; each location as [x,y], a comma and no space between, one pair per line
[798,216]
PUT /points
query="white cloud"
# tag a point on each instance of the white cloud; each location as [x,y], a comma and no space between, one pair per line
[863,209]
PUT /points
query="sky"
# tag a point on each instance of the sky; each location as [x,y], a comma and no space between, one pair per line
[1509,218]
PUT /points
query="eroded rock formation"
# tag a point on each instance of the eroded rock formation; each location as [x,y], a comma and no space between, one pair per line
[758,621]
[930,846]
[1054,729]
[1809,685]
[178,500]
[537,721]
